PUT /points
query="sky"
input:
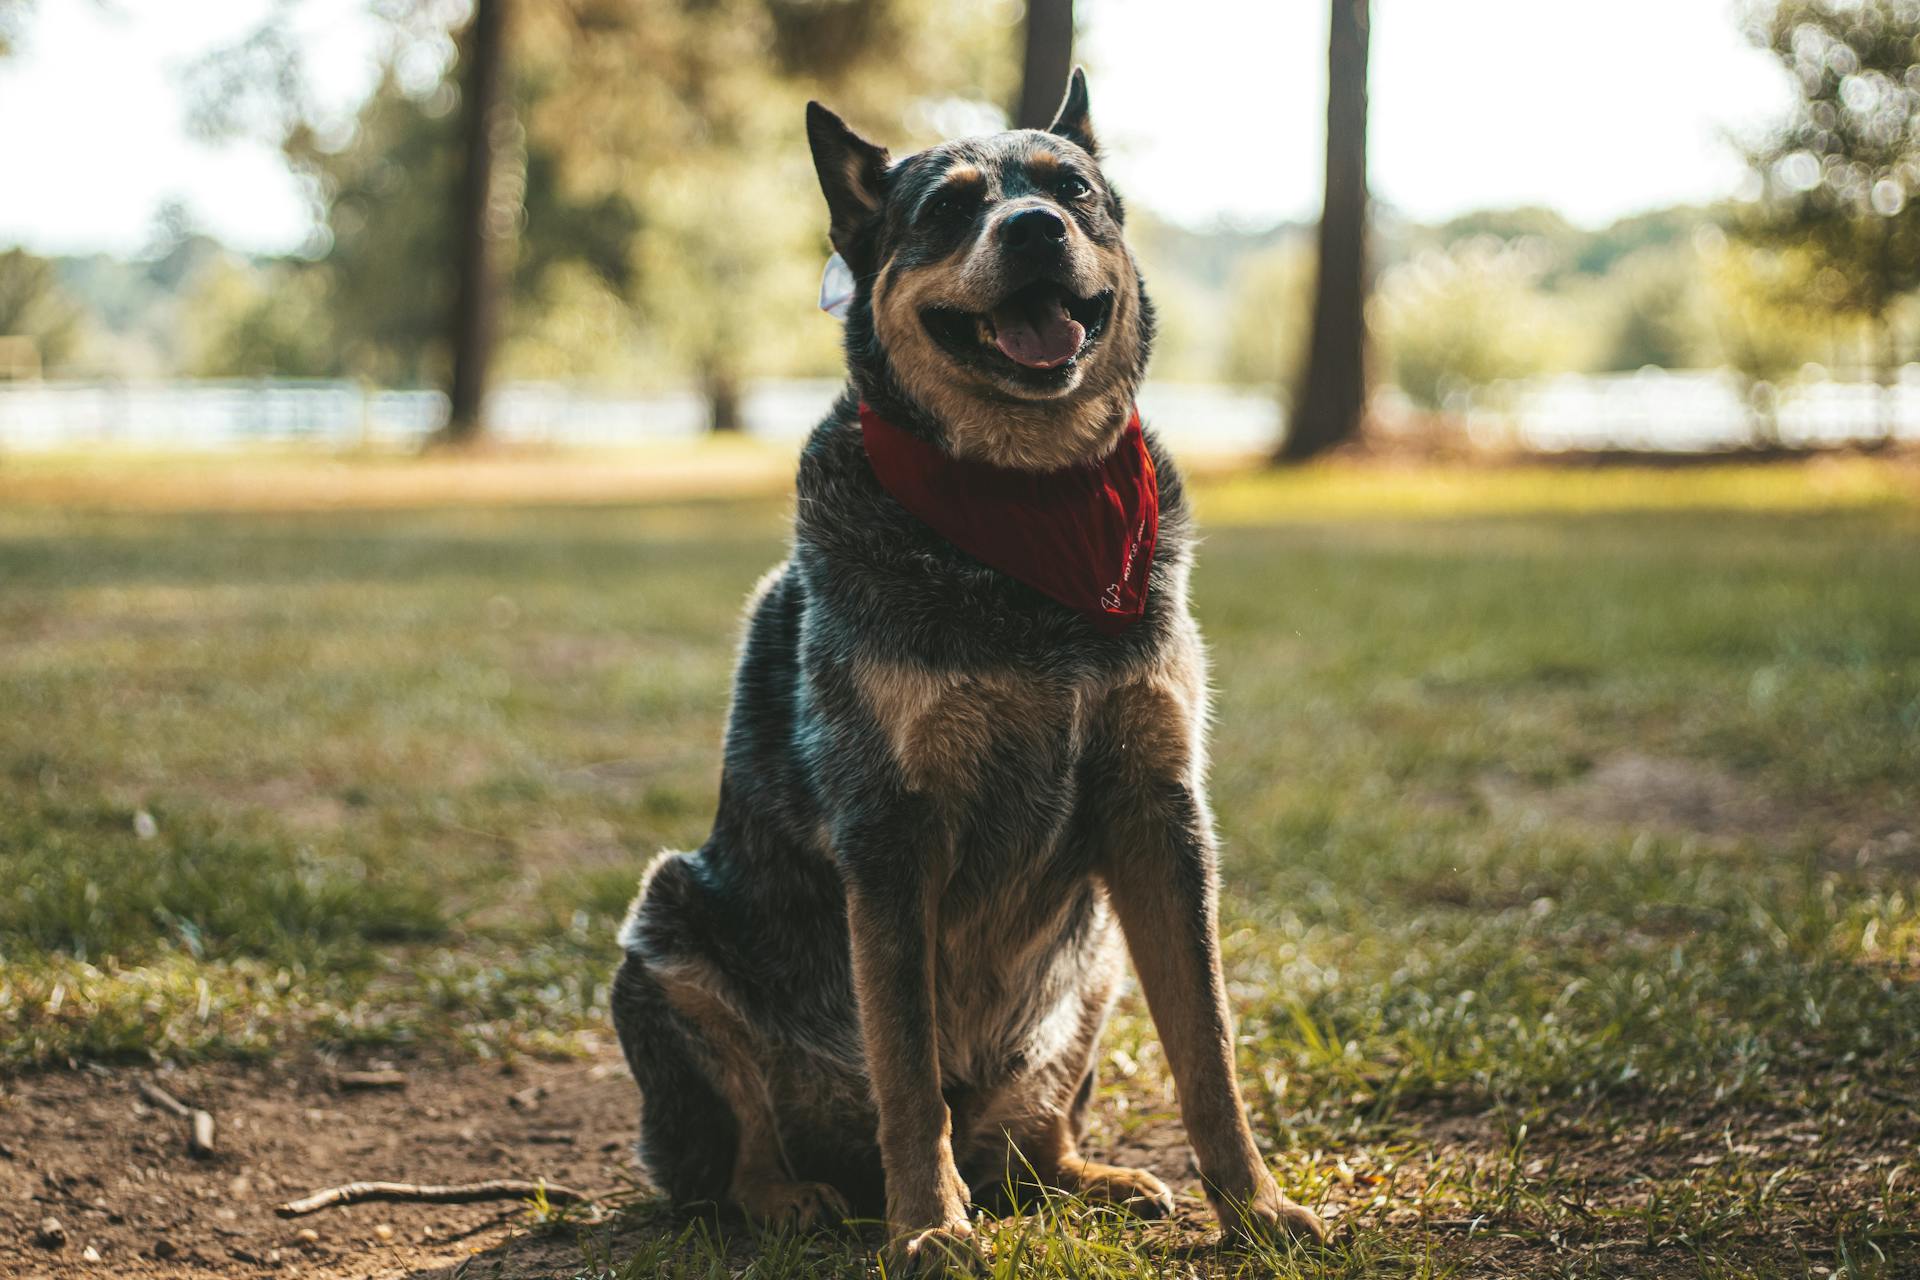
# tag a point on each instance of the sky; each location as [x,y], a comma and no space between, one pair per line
[1210,110]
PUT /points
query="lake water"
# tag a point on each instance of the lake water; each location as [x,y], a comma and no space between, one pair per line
[1649,410]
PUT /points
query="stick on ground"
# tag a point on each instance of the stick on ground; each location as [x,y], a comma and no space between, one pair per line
[461,1193]
[162,1099]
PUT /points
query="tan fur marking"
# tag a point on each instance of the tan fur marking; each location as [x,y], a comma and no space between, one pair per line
[940,726]
[1159,716]
[857,182]
[1042,162]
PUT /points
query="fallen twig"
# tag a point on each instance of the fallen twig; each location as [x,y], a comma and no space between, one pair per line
[371,1079]
[162,1099]
[461,1193]
[199,1122]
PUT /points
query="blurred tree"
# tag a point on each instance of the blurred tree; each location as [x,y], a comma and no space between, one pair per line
[1596,252]
[1268,307]
[708,148]
[1333,398]
[13,21]
[1652,311]
[1766,326]
[33,306]
[1840,171]
[1453,320]
[249,321]
[1046,60]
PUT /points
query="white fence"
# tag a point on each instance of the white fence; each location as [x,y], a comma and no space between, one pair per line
[1649,410]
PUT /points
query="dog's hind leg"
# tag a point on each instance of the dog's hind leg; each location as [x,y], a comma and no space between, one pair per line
[1048,1153]
[1043,1150]
[708,1132]
[688,1135]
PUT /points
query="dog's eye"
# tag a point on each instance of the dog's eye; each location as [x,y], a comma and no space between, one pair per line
[1074,187]
[949,204]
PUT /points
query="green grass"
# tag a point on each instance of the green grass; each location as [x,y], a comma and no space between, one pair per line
[1571,823]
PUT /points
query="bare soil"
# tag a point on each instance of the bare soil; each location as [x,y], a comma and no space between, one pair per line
[84,1148]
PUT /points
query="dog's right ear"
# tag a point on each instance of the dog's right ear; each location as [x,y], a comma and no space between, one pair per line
[851,170]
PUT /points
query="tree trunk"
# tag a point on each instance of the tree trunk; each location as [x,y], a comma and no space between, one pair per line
[476,291]
[722,390]
[1333,396]
[1048,60]
[1887,360]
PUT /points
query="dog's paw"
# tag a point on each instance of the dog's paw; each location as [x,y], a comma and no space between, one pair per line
[799,1205]
[1135,1190]
[948,1249]
[1268,1216]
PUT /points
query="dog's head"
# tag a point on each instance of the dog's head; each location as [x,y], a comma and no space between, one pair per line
[996,292]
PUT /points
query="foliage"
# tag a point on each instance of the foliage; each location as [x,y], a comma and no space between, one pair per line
[1266,344]
[1841,169]
[259,321]
[655,196]
[1653,296]
[1451,320]
[1765,326]
[33,305]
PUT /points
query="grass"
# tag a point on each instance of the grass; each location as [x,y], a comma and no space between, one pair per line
[1569,823]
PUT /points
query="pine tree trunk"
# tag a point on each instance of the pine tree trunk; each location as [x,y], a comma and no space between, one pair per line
[1888,371]
[476,292]
[721,388]
[1333,396]
[1048,61]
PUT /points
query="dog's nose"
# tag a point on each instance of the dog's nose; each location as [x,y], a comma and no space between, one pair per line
[1033,231]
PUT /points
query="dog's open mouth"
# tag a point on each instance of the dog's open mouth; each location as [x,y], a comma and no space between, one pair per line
[1042,327]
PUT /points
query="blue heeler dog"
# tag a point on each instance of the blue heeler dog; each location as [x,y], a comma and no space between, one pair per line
[951,802]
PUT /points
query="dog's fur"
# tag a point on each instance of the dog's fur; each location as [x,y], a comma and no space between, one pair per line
[946,799]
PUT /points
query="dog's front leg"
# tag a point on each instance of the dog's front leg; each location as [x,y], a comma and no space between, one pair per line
[1162,881]
[891,912]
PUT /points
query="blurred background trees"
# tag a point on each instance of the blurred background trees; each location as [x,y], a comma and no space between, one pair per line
[650,221]
[640,218]
[1841,169]
[34,307]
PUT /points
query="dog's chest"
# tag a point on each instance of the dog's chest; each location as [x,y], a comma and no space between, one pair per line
[1001,739]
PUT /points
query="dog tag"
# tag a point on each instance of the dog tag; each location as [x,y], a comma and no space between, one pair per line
[836,287]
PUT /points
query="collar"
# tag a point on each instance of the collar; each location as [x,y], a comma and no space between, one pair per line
[1082,535]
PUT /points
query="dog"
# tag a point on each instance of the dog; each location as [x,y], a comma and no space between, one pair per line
[949,800]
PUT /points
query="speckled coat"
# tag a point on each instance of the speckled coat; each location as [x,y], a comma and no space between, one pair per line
[881,979]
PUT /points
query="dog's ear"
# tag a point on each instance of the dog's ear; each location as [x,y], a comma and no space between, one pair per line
[1071,121]
[851,170]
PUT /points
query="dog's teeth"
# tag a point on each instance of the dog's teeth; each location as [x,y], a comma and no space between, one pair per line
[985,328]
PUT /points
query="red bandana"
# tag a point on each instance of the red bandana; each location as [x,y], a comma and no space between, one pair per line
[1083,535]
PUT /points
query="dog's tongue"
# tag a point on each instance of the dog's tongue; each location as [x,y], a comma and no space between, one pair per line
[1036,331]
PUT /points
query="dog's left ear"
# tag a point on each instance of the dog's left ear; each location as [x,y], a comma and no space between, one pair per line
[1072,122]
[851,170]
